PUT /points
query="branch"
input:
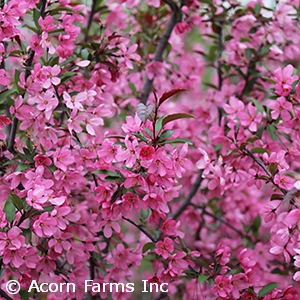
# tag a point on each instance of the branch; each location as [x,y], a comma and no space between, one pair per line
[28,64]
[141,229]
[259,162]
[219,219]
[161,47]
[264,167]
[4,295]
[190,196]
[89,24]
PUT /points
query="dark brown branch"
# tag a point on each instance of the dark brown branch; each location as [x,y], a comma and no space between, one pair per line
[259,162]
[28,64]
[205,212]
[139,227]
[89,24]
[264,167]
[4,295]
[161,47]
[189,197]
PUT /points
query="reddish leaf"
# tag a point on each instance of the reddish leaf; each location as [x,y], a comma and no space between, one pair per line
[173,117]
[169,94]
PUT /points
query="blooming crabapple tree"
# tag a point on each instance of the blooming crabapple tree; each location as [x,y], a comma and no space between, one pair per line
[150,140]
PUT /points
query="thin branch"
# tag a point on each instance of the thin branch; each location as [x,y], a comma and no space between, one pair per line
[28,64]
[219,219]
[189,197]
[259,162]
[264,167]
[89,24]
[4,295]
[161,47]
[141,229]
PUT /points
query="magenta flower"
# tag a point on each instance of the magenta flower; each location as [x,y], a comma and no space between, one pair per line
[164,248]
[284,80]
[222,286]
[63,158]
[147,153]
[280,107]
[44,226]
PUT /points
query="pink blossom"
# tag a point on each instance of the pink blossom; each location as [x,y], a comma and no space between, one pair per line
[63,158]
[280,107]
[222,286]
[164,248]
[284,80]
[44,226]
[147,153]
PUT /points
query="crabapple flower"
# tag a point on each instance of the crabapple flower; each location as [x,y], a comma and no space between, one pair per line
[280,107]
[222,286]
[44,226]
[284,80]
[164,248]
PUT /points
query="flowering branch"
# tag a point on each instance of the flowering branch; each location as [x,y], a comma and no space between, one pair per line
[205,212]
[28,64]
[141,229]
[190,196]
[161,47]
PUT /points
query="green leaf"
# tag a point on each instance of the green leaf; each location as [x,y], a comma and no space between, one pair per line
[140,135]
[267,289]
[268,79]
[148,131]
[258,150]
[256,225]
[178,140]
[272,132]
[148,246]
[36,16]
[6,93]
[23,167]
[203,263]
[248,54]
[265,49]
[17,201]
[158,125]
[236,271]
[9,210]
[67,75]
[257,8]
[169,118]
[132,87]
[258,105]
[65,62]
[28,234]
[106,172]
[168,95]
[166,134]
[202,278]
[17,80]
[24,294]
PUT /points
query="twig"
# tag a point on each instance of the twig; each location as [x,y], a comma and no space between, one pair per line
[219,67]
[141,229]
[189,197]
[90,19]
[259,162]
[161,47]
[219,219]
[28,64]
[264,167]
[4,295]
